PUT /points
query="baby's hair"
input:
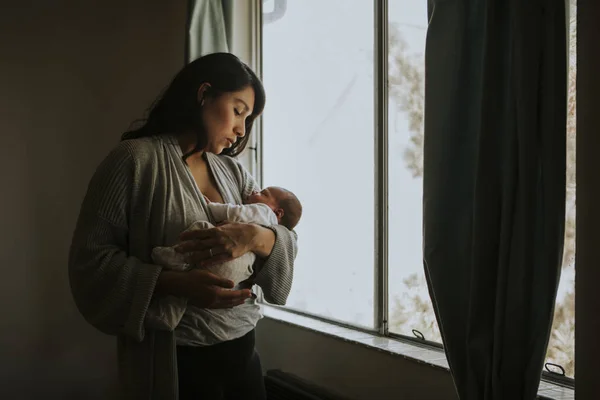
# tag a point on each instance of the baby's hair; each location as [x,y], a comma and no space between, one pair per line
[292,210]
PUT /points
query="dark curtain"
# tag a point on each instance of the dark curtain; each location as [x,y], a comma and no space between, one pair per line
[494,187]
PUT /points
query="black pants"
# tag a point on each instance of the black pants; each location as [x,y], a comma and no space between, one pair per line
[225,371]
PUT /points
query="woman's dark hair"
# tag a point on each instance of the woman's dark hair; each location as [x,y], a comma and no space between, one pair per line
[177,110]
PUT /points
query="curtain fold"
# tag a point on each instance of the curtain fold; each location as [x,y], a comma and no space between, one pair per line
[494,187]
[208,25]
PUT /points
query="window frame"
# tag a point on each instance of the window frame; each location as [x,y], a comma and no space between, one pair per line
[381,215]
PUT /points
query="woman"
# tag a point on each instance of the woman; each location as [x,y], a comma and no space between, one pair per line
[143,195]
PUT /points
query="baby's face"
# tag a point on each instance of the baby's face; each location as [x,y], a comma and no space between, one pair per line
[269,196]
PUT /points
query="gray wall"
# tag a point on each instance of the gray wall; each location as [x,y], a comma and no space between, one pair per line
[354,371]
[587,279]
[73,75]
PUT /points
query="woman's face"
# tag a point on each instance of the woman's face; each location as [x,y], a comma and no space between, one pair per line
[224,118]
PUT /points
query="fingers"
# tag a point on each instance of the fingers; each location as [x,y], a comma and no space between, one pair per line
[211,256]
[213,291]
[231,298]
[197,245]
[197,234]
[213,279]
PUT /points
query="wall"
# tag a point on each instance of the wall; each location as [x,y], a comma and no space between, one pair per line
[347,369]
[587,295]
[73,75]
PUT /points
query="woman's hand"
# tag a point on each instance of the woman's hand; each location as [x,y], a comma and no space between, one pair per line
[225,242]
[202,288]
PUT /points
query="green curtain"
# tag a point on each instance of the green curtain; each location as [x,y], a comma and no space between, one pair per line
[494,187]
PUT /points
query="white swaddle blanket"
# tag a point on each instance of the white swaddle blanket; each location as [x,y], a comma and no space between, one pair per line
[236,270]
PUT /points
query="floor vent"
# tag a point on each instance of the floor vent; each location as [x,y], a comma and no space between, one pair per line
[283,386]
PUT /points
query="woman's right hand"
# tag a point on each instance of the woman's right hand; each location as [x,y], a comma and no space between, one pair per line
[202,288]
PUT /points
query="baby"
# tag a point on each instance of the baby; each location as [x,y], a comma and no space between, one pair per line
[271,206]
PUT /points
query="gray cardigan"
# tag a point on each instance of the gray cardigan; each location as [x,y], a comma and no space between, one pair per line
[133,201]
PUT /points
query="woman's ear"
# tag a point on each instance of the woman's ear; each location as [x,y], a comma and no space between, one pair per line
[202,91]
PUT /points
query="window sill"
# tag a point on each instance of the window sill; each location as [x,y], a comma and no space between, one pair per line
[433,357]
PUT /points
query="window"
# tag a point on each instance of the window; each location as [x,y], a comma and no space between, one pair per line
[320,63]
[561,348]
[410,306]
[325,77]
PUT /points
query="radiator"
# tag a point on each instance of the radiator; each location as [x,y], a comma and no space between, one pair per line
[283,386]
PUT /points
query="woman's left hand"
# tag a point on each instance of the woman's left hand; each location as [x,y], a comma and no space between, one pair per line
[224,242]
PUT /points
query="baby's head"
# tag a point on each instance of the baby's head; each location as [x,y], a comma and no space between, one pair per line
[284,204]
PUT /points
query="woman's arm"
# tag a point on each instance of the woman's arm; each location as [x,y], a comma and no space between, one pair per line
[277,250]
[187,284]
[111,289]
[275,273]
[275,246]
[263,240]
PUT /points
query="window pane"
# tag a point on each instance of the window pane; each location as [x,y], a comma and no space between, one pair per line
[410,306]
[319,143]
[561,349]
